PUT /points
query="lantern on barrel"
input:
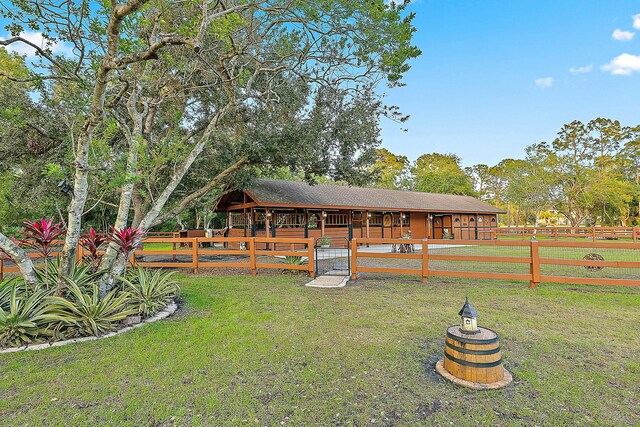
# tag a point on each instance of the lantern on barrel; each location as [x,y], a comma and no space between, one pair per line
[472,354]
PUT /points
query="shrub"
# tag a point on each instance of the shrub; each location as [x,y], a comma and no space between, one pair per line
[27,317]
[127,239]
[149,290]
[324,241]
[87,314]
[293,260]
[91,242]
[41,234]
[82,273]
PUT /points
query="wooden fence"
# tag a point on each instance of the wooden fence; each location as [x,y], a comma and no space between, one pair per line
[533,261]
[252,253]
[557,233]
[425,252]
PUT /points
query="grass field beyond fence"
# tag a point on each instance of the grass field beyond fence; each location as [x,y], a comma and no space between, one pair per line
[267,351]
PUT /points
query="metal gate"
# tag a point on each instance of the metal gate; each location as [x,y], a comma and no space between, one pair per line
[332,256]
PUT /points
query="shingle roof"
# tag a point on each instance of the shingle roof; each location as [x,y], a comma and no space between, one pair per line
[277,193]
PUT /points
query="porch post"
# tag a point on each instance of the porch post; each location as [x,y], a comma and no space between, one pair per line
[267,223]
[322,215]
[368,215]
[401,219]
[252,222]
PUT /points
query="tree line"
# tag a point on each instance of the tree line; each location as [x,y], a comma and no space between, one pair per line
[588,175]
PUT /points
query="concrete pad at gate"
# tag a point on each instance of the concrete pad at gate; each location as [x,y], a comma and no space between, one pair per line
[328,282]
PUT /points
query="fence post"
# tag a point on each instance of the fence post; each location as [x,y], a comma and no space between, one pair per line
[252,255]
[535,263]
[310,258]
[593,233]
[635,234]
[354,259]
[425,260]
[194,254]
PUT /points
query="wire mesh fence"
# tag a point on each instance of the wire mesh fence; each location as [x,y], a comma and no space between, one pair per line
[606,263]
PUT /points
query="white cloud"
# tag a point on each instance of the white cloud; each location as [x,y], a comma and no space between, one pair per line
[544,82]
[36,38]
[623,65]
[581,70]
[622,36]
[636,21]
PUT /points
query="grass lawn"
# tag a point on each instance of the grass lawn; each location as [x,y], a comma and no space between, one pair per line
[267,351]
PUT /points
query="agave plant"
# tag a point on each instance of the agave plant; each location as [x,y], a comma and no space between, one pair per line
[82,273]
[28,317]
[91,242]
[41,234]
[127,239]
[87,313]
[150,290]
[5,291]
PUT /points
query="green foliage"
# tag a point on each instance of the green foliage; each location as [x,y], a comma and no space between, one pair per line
[86,314]
[294,260]
[441,173]
[391,171]
[24,316]
[323,241]
[149,290]
[82,273]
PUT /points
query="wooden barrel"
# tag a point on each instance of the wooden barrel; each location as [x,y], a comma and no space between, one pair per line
[473,357]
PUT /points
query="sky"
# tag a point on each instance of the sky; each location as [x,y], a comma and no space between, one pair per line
[497,76]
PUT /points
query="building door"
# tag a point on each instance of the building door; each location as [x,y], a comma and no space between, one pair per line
[441,227]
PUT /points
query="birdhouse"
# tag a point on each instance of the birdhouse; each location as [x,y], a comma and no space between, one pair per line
[472,354]
[468,316]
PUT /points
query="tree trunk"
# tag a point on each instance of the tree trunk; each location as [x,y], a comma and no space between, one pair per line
[126,193]
[20,258]
[184,204]
[150,218]
[81,162]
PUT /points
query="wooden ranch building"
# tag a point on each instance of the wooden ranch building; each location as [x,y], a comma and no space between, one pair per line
[297,209]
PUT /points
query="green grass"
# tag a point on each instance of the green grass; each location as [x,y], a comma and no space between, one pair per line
[267,351]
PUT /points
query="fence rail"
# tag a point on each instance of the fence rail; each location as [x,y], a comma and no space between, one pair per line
[252,253]
[556,233]
[585,262]
[534,254]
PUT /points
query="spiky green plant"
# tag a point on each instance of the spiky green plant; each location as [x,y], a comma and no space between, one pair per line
[6,288]
[82,273]
[29,316]
[293,260]
[149,290]
[87,314]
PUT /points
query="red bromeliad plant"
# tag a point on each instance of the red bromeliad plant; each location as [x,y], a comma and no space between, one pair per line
[41,234]
[127,239]
[91,242]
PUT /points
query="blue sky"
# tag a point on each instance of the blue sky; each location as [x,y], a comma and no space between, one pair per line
[496,76]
